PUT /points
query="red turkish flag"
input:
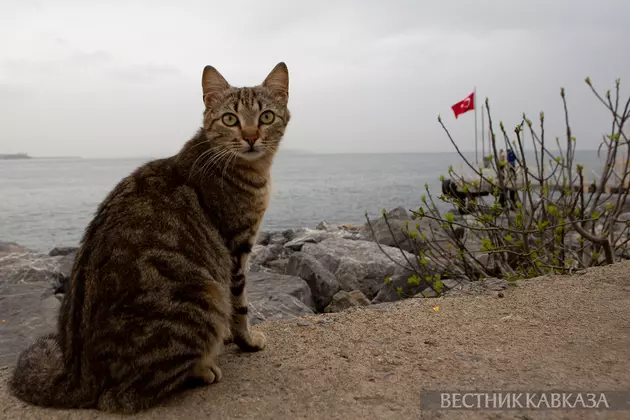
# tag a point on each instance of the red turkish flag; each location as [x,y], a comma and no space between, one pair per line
[465,105]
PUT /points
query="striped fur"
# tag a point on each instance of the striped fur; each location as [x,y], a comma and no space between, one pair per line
[158,283]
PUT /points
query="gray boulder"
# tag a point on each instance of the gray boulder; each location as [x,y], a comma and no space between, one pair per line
[29,310]
[343,300]
[313,236]
[62,250]
[322,282]
[11,247]
[261,254]
[274,284]
[400,224]
[275,296]
[30,267]
[275,307]
[279,265]
[275,237]
[357,264]
[309,236]
[399,287]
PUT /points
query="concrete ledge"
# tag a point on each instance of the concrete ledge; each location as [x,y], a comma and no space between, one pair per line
[565,332]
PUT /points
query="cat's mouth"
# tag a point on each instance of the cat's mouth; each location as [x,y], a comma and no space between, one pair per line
[252,153]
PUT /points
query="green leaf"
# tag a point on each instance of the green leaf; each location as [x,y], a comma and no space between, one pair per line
[413,280]
[438,286]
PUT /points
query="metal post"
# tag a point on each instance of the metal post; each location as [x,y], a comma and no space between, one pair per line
[483,141]
[475,106]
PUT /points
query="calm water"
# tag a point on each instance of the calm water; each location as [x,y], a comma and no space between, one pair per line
[48,202]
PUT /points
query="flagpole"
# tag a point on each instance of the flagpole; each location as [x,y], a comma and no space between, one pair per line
[483,141]
[475,106]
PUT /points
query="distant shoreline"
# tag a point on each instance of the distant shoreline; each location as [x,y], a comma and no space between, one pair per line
[24,156]
[10,156]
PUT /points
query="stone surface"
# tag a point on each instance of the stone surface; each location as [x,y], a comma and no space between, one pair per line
[266,307]
[62,250]
[261,254]
[28,310]
[276,237]
[274,296]
[10,247]
[322,282]
[357,264]
[278,266]
[399,287]
[310,236]
[28,267]
[343,300]
[400,224]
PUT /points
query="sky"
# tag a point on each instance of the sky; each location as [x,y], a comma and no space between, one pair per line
[122,78]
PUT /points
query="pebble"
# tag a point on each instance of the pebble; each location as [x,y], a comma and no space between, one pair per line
[304,324]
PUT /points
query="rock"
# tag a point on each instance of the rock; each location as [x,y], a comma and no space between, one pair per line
[274,284]
[427,293]
[314,236]
[453,283]
[310,236]
[29,310]
[399,287]
[65,269]
[62,250]
[256,268]
[400,224]
[290,234]
[29,267]
[322,282]
[260,255]
[50,311]
[12,247]
[264,307]
[279,266]
[344,300]
[324,225]
[263,238]
[399,213]
[357,264]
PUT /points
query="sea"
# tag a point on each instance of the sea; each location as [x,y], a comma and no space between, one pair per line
[48,202]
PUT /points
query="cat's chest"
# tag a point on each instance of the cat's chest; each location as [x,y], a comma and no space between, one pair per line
[244,219]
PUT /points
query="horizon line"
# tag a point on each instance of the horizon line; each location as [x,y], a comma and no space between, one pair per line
[292,151]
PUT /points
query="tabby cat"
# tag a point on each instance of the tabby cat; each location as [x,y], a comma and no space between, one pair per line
[158,283]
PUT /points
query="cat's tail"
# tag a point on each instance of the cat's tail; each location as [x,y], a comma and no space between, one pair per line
[40,377]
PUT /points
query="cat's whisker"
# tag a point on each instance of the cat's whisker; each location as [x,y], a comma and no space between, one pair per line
[232,158]
[212,157]
[213,162]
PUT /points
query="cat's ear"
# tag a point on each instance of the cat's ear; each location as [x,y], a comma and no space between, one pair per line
[213,84]
[278,82]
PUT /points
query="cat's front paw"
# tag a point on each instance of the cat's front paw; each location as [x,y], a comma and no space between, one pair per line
[253,341]
[208,370]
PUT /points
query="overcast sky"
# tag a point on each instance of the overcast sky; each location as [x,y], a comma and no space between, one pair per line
[123,78]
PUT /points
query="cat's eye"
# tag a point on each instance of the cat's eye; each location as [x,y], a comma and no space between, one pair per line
[230,120]
[267,117]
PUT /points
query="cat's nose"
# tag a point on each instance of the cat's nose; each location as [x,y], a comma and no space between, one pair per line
[250,135]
